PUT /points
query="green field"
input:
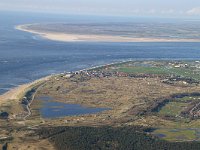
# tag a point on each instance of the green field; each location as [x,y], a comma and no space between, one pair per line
[176,134]
[144,70]
[187,98]
[172,109]
[186,72]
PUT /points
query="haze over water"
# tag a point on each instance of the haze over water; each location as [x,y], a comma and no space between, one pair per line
[25,57]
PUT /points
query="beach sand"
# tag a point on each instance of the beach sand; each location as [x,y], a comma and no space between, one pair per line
[64,37]
[16,93]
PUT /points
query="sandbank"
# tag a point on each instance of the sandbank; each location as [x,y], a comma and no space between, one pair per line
[65,37]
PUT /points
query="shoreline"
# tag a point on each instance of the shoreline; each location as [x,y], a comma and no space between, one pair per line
[64,37]
[18,92]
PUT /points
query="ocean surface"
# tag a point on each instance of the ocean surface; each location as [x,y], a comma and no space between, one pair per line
[25,57]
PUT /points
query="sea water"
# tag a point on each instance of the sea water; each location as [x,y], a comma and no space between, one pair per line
[25,57]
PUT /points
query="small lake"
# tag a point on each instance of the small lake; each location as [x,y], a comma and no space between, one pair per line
[52,109]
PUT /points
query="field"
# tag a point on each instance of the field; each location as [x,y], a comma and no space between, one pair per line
[172,109]
[177,134]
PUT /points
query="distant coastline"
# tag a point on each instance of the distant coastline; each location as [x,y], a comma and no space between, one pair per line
[65,37]
[47,35]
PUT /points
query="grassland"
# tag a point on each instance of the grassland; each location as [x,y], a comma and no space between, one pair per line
[172,109]
[188,98]
[146,70]
[177,134]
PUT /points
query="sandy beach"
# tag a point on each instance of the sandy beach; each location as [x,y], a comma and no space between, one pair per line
[64,37]
[16,93]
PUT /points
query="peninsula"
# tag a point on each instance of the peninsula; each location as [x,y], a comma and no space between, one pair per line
[115,32]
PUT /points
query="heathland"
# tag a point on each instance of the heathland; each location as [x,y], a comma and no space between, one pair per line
[154,100]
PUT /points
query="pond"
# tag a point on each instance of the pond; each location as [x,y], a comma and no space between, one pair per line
[51,109]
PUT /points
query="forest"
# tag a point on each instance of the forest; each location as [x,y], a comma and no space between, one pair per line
[109,138]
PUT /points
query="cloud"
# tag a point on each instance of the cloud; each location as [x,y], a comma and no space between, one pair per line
[169,8]
[152,11]
[169,11]
[194,11]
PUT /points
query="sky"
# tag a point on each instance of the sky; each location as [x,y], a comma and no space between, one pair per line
[155,8]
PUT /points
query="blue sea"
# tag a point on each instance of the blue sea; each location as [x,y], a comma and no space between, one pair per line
[25,57]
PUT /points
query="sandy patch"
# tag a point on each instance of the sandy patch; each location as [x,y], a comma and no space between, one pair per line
[64,37]
[16,93]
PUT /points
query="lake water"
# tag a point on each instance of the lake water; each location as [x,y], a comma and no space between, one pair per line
[57,109]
